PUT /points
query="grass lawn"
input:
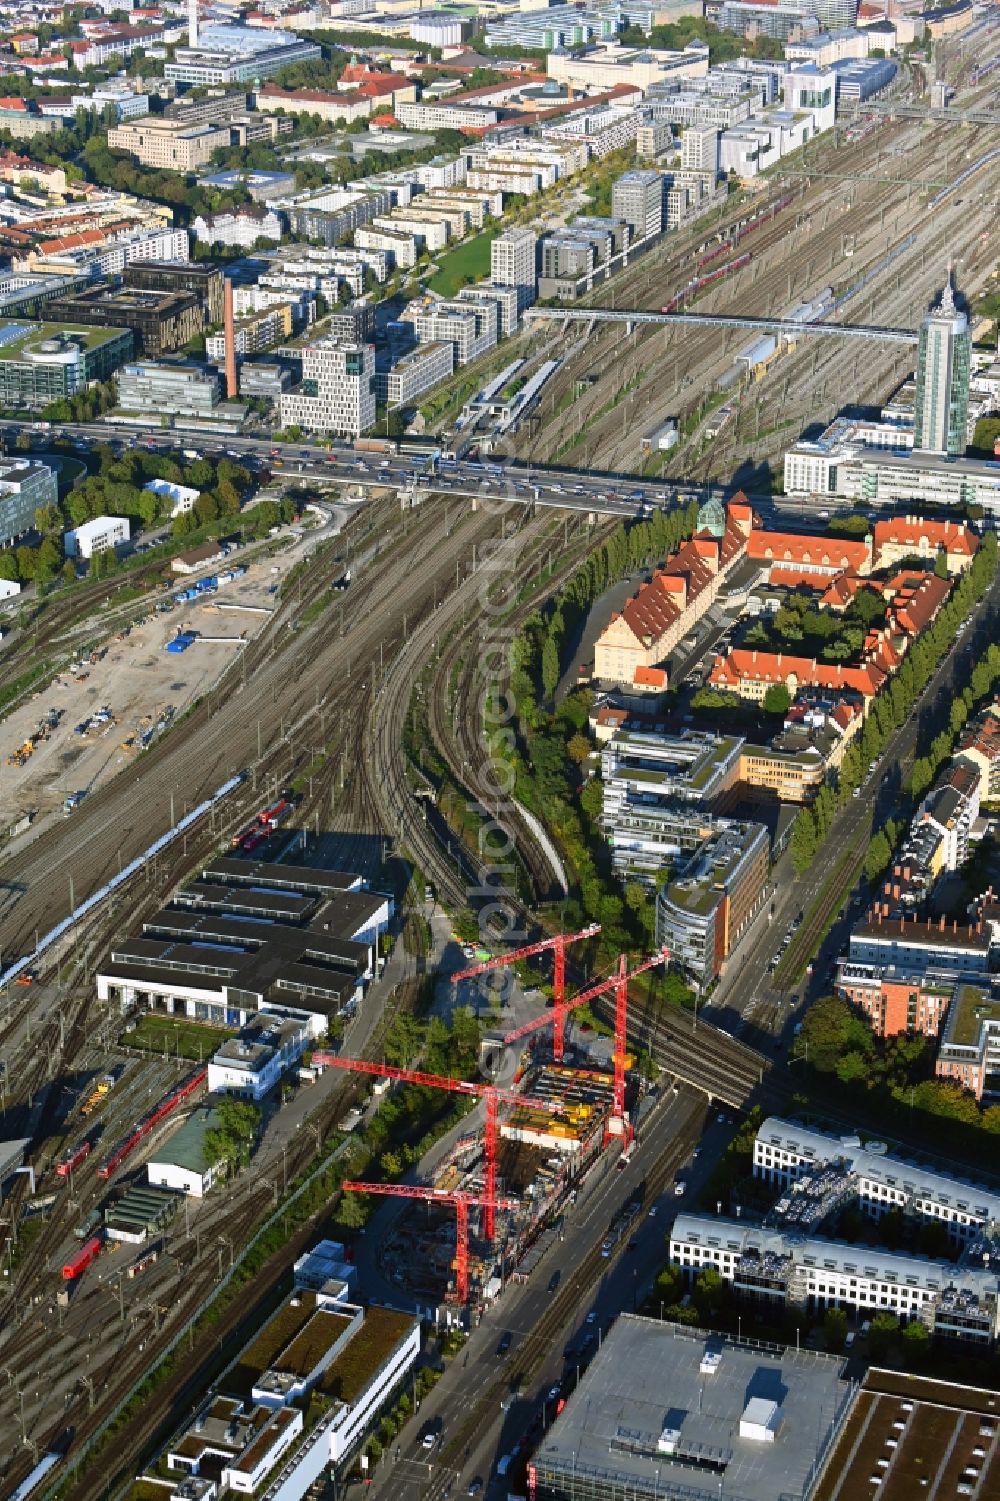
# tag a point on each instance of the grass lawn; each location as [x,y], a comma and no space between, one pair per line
[177,1036]
[468,262]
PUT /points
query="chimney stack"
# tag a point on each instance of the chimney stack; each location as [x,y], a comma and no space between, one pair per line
[232,386]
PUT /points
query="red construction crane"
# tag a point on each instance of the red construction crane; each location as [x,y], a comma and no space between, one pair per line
[619,984]
[462,1202]
[489,1092]
[558,946]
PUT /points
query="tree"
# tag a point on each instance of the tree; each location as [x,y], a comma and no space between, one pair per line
[877,855]
[916,1342]
[233,1137]
[578,749]
[777,699]
[883,1335]
[353,1210]
[550,667]
[835,1328]
[941,564]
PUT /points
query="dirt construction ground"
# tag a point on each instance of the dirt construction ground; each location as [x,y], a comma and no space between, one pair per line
[141,686]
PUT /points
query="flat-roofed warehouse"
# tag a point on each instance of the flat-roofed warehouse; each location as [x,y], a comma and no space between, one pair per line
[249,936]
[665,1412]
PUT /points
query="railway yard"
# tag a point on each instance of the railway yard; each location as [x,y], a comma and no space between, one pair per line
[337,696]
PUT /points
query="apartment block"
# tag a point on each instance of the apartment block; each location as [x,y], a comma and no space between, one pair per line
[785,1152]
[337,391]
[637,197]
[399,384]
[813,1273]
[700,150]
[513,263]
[471,328]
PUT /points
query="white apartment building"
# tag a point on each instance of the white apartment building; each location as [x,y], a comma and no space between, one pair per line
[470,327]
[813,1273]
[456,116]
[415,373]
[700,150]
[784,1152]
[242,226]
[505,299]
[424,229]
[399,249]
[513,263]
[610,128]
[442,172]
[98,535]
[511,176]
[337,392]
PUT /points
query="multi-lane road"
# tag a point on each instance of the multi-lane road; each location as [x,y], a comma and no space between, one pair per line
[604,494]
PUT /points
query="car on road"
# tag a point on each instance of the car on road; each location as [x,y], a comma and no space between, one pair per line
[554,1393]
[475,1486]
[506,1340]
[592,1317]
[607,1247]
[554,1280]
[653,1211]
[680,1189]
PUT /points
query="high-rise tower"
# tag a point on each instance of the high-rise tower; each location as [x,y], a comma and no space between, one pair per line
[942,401]
[192,23]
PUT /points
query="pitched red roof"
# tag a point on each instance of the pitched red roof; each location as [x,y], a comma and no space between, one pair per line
[777,667]
[822,555]
[924,535]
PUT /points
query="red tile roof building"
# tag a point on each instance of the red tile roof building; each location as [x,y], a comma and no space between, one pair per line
[913,598]
[750,674]
[916,536]
[803,559]
[664,610]
[980,744]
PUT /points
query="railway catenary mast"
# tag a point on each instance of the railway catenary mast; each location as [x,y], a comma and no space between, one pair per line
[490,1093]
[462,1202]
[557,944]
[617,1125]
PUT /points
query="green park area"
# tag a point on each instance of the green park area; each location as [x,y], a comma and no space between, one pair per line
[467,263]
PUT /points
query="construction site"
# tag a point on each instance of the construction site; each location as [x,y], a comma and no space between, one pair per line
[494,1197]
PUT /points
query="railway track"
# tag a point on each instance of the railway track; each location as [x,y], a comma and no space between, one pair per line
[460,683]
